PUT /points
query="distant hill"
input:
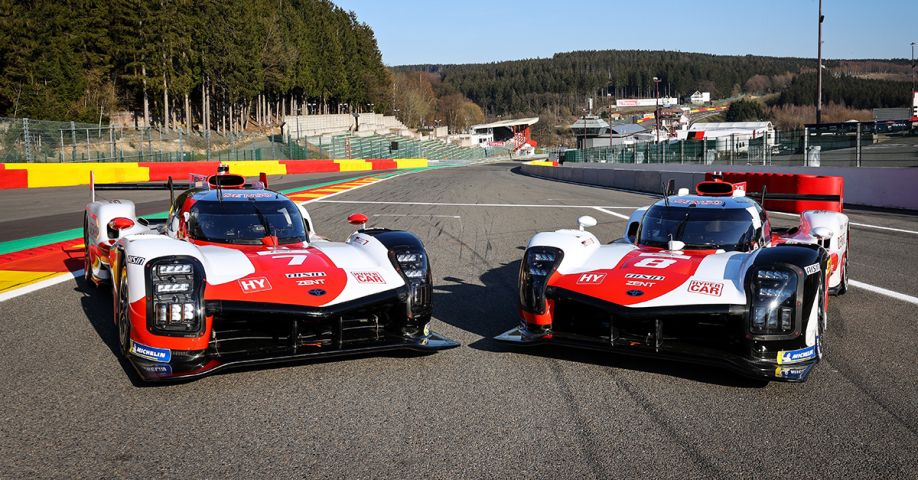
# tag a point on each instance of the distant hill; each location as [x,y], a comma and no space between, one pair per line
[565,80]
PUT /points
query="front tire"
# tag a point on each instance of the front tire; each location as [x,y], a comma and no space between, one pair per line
[843,285]
[87,261]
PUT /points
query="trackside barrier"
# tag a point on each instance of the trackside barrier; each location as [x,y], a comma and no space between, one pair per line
[38,175]
[791,192]
[879,187]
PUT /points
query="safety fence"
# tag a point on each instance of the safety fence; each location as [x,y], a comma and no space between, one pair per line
[868,146]
[24,140]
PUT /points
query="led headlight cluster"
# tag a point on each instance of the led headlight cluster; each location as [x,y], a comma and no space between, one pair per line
[538,264]
[413,263]
[774,300]
[175,305]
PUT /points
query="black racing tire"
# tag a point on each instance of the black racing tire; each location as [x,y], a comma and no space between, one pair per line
[121,319]
[843,285]
[823,320]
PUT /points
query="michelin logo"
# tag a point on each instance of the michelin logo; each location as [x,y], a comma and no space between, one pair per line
[796,356]
[162,355]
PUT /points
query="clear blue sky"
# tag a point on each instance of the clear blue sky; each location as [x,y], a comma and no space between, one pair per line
[474,31]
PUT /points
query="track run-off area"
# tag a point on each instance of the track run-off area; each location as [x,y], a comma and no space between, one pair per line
[71,407]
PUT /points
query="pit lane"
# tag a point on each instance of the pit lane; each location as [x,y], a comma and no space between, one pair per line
[70,408]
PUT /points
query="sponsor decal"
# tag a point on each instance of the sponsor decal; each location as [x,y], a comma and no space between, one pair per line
[792,373]
[162,355]
[248,195]
[591,278]
[665,255]
[317,292]
[305,275]
[282,251]
[706,288]
[135,260]
[796,356]
[642,276]
[587,242]
[308,283]
[368,277]
[159,370]
[638,283]
[697,202]
[254,285]
[811,269]
[634,293]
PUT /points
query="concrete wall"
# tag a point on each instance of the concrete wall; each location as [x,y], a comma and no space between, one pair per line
[871,187]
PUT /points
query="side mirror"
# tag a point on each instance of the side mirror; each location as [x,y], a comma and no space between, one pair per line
[586,221]
[675,246]
[823,233]
[117,224]
[358,219]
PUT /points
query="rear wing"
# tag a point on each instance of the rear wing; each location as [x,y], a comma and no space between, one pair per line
[787,192]
[222,181]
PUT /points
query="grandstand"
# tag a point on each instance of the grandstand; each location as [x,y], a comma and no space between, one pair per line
[349,145]
[301,126]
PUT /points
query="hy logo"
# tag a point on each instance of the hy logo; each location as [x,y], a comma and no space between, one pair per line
[591,278]
[254,285]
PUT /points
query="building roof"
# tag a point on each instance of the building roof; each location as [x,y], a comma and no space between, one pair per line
[507,123]
[626,129]
[589,121]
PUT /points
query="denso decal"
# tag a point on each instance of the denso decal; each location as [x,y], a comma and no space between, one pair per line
[796,356]
[665,255]
[254,285]
[591,278]
[697,202]
[811,269]
[285,251]
[305,275]
[642,276]
[248,195]
[135,260]
[162,355]
[368,277]
[706,288]
[309,283]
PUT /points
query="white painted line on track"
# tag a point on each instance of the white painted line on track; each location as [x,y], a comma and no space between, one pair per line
[883,291]
[61,278]
[414,215]
[614,214]
[856,224]
[446,204]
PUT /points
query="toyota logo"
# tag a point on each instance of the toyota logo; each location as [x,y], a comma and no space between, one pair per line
[635,293]
[317,292]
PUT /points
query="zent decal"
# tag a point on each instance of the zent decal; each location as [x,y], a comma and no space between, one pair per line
[162,355]
[811,269]
[654,262]
[368,277]
[309,283]
[134,260]
[706,288]
[254,285]
[591,278]
[638,283]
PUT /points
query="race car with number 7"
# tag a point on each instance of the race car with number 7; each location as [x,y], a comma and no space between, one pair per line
[237,276]
[703,278]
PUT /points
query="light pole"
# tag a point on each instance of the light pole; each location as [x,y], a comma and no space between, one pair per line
[656,112]
[819,69]
[913,68]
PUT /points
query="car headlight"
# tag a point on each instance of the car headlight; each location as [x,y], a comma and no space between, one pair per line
[538,264]
[774,301]
[412,263]
[175,306]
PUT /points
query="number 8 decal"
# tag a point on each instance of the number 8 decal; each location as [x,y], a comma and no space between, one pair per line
[655,263]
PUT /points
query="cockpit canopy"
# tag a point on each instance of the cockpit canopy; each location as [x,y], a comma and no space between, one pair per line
[729,229]
[246,222]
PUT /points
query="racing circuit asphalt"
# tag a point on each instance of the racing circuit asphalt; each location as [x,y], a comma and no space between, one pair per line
[484,410]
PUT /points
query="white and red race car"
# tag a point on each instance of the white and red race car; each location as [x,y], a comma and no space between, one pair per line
[236,276]
[703,278]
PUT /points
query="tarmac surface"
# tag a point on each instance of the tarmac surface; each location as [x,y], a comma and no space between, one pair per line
[71,408]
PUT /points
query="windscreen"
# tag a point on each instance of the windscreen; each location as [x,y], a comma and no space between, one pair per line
[246,222]
[730,229]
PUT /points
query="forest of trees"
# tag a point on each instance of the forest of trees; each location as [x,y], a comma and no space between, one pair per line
[187,63]
[567,79]
[859,93]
